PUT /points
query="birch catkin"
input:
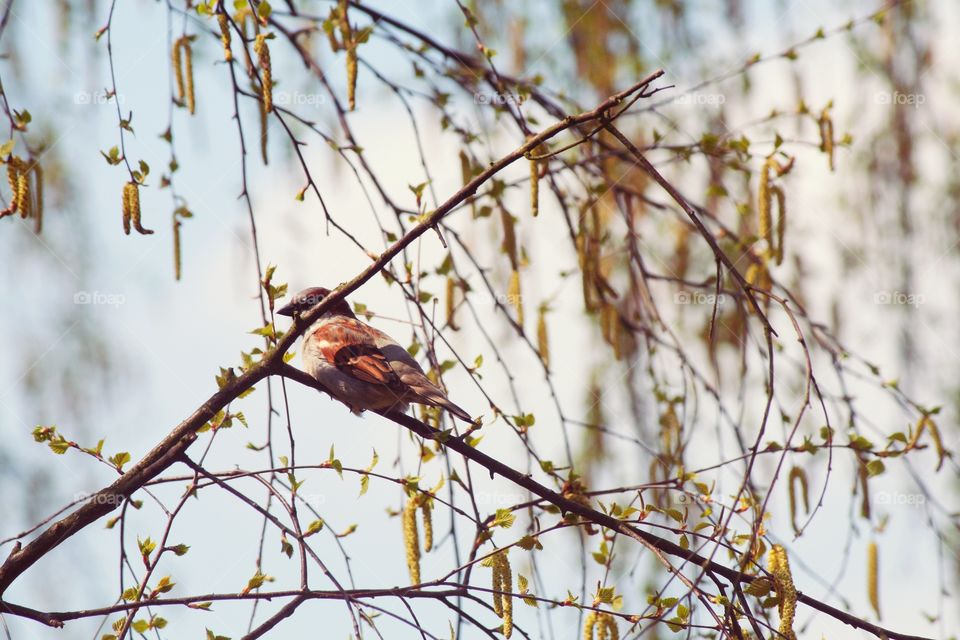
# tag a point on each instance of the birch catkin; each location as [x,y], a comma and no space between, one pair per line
[764,202]
[13,174]
[411,540]
[543,342]
[534,187]
[131,209]
[514,295]
[781,223]
[183,73]
[509,244]
[466,174]
[176,247]
[766,193]
[927,423]
[126,208]
[37,197]
[411,535]
[262,49]
[427,512]
[602,624]
[451,306]
[263,136]
[610,626]
[177,62]
[224,24]
[873,590]
[779,567]
[188,72]
[797,474]
[17,177]
[862,476]
[502,586]
[826,134]
[22,194]
[589,624]
[349,39]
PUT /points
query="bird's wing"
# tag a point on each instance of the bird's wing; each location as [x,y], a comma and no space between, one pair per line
[412,375]
[351,348]
[370,355]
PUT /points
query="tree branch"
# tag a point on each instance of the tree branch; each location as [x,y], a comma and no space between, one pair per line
[58,618]
[175,444]
[495,466]
[179,440]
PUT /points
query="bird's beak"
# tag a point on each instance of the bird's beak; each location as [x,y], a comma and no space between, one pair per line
[287,310]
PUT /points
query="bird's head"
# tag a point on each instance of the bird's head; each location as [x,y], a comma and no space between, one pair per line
[309,298]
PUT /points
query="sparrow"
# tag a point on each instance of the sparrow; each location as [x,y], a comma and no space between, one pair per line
[361,366]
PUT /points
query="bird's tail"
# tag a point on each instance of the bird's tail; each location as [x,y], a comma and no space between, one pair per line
[438,399]
[456,410]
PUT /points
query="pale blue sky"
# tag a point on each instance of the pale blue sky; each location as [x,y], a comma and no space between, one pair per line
[171,337]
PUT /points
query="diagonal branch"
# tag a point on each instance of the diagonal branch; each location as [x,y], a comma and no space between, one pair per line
[109,498]
[694,217]
[171,448]
[527,482]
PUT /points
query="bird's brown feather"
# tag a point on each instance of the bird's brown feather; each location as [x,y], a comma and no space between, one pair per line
[365,362]
[361,358]
[368,355]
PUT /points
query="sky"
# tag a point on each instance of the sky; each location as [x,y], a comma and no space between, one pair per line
[169,338]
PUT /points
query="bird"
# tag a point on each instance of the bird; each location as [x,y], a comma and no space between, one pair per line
[360,365]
